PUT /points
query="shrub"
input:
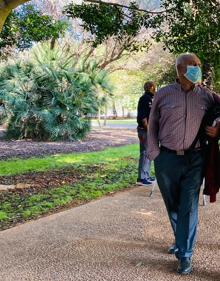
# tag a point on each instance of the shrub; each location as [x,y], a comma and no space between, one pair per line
[3,216]
[50,94]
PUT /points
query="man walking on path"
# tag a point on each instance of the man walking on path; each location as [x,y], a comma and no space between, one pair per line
[144,106]
[175,119]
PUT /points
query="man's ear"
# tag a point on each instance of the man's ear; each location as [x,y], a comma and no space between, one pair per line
[182,69]
[153,89]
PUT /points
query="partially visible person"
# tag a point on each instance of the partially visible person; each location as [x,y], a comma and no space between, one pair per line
[214,131]
[212,164]
[178,152]
[143,112]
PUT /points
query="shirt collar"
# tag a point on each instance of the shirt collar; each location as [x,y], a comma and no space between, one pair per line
[149,94]
[178,87]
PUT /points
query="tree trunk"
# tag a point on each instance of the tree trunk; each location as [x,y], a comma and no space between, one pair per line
[105,118]
[114,111]
[123,111]
[99,118]
[6,7]
[52,43]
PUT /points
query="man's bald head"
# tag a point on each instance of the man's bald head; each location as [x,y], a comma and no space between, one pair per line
[183,62]
[186,59]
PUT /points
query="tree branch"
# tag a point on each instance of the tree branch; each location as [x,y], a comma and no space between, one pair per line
[111,59]
[6,6]
[11,3]
[113,50]
[117,69]
[127,7]
[90,52]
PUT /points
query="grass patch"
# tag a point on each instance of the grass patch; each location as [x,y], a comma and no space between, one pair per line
[111,177]
[3,216]
[102,173]
[21,166]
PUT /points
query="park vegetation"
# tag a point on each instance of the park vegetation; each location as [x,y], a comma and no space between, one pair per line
[118,37]
[50,94]
[79,178]
[63,63]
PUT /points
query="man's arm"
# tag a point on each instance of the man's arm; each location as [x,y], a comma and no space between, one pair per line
[214,132]
[145,123]
[153,149]
[216,98]
[144,111]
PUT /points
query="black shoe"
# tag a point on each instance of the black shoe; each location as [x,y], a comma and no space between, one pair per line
[185,266]
[172,250]
[146,182]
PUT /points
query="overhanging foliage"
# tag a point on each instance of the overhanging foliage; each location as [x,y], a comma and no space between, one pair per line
[182,25]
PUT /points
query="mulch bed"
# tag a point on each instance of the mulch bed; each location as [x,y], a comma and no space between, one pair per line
[97,140]
[43,179]
[35,181]
[39,182]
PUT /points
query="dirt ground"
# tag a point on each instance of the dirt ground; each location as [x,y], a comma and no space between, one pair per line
[98,139]
[40,180]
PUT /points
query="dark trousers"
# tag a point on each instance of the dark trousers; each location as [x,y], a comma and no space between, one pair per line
[144,163]
[179,179]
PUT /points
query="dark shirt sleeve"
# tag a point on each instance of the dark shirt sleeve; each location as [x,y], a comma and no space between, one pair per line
[215,98]
[153,149]
[144,105]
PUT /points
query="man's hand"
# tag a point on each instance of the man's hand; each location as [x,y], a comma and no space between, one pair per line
[213,132]
[142,139]
[145,124]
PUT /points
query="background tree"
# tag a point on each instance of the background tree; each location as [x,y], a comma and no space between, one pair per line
[111,20]
[6,7]
[155,65]
[193,26]
[112,40]
[181,25]
[26,26]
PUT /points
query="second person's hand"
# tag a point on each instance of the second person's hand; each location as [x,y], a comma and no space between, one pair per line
[213,132]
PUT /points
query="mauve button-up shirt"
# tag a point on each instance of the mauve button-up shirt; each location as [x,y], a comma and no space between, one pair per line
[176,117]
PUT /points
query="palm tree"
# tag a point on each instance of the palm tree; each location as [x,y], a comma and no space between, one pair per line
[51,95]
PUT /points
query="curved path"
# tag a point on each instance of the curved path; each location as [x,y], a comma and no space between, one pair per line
[123,237]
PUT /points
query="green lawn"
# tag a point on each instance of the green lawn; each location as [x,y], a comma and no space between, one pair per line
[20,166]
[118,122]
[122,121]
[109,170]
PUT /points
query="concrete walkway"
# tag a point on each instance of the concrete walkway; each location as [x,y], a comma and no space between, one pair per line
[123,237]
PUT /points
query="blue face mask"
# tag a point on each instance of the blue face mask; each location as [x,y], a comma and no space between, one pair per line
[193,74]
